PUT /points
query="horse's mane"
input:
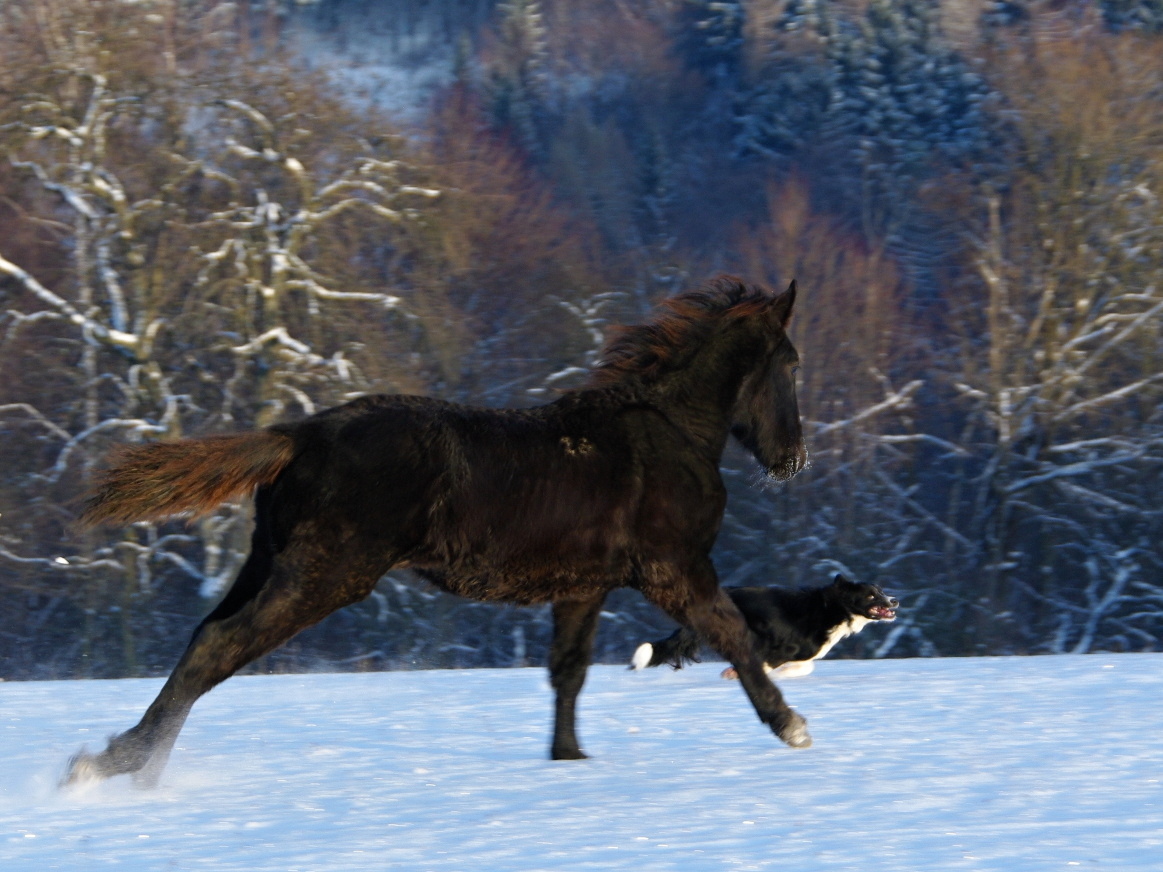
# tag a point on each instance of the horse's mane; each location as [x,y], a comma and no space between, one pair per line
[684,322]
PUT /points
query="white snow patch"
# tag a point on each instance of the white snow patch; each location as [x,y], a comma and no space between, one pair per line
[1014,764]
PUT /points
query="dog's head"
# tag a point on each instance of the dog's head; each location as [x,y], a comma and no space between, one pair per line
[866,600]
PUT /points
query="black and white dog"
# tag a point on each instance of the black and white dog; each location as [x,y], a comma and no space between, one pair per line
[792,627]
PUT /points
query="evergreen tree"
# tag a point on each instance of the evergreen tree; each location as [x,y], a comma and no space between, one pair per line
[789,100]
[1145,15]
[890,82]
[804,16]
[711,38]
[781,111]
[518,75]
[1005,13]
[903,92]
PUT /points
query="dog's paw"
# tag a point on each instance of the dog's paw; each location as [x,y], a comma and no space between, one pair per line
[795,732]
[730,674]
[794,669]
[642,655]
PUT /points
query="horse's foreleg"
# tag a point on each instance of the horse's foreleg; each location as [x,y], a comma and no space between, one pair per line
[574,625]
[695,600]
[719,621]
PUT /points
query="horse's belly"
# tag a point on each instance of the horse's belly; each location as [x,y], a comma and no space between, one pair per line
[527,584]
[530,559]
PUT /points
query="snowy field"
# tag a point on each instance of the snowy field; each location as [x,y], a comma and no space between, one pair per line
[1047,763]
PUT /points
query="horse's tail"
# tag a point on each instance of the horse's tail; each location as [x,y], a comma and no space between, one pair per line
[188,477]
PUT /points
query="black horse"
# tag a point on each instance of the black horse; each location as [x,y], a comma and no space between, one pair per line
[613,485]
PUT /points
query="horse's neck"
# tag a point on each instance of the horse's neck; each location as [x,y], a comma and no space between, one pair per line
[701,397]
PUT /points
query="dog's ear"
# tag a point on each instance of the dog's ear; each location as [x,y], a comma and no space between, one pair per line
[844,585]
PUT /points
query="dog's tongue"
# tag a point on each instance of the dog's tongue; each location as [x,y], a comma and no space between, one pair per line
[884,614]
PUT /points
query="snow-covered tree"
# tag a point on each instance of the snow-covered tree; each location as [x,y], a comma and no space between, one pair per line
[903,93]
[220,257]
[1005,13]
[1144,15]
[1061,362]
[884,93]
[711,35]
[518,74]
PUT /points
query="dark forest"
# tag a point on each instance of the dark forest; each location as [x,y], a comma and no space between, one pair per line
[218,216]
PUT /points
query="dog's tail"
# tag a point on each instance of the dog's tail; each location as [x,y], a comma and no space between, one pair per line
[187,477]
[677,649]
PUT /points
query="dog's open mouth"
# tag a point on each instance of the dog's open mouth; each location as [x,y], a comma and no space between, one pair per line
[882,613]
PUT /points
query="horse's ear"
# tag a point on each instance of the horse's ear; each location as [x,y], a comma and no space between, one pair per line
[782,305]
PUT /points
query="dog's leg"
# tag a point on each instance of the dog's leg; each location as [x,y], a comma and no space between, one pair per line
[574,626]
[795,668]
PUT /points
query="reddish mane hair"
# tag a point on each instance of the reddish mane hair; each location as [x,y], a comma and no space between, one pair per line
[648,350]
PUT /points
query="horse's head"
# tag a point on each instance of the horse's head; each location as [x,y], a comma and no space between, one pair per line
[721,348]
[766,416]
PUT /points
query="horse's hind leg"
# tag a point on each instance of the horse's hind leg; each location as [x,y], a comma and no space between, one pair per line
[574,625]
[270,602]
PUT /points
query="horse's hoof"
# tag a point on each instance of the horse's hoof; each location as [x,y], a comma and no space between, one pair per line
[146,778]
[81,769]
[795,732]
[569,754]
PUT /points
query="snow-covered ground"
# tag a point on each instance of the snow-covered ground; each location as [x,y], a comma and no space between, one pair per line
[1047,763]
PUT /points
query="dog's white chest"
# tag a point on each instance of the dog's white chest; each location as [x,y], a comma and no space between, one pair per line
[841,631]
[851,627]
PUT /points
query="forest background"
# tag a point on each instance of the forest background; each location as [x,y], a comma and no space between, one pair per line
[215,216]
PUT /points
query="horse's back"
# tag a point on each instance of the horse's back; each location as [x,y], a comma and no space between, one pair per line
[521,505]
[537,501]
[438,484]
